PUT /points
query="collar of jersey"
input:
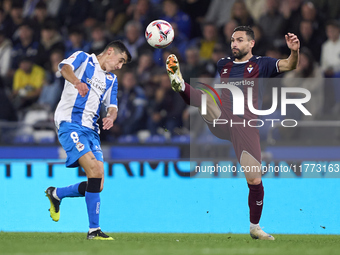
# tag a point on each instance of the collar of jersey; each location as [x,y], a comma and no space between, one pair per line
[243,62]
[95,60]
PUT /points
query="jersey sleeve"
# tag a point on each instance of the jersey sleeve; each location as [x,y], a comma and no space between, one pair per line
[270,66]
[110,99]
[220,65]
[75,60]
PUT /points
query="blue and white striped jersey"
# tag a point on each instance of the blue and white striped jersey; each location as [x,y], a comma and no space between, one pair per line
[102,87]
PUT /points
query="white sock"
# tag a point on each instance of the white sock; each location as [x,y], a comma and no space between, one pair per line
[54,194]
[252,226]
[93,229]
[183,86]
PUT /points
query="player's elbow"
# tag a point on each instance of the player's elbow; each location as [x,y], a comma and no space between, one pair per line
[288,67]
[294,67]
[64,69]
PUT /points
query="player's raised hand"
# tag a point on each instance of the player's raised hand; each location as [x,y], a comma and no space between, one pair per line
[292,41]
[82,88]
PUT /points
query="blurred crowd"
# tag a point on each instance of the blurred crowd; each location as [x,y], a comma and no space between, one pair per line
[35,35]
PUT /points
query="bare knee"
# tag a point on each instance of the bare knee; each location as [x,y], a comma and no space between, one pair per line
[95,170]
[254,181]
[253,169]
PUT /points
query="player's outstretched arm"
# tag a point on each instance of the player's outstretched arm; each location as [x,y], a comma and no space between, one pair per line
[110,118]
[68,74]
[291,62]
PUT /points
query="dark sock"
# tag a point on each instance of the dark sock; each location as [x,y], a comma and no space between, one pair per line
[255,202]
[191,96]
[82,188]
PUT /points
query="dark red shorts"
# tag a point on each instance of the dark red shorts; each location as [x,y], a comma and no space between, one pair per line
[243,137]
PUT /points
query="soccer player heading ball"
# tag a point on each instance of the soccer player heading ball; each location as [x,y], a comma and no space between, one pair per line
[88,83]
[245,139]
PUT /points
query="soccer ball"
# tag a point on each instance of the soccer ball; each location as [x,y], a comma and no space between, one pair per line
[159,34]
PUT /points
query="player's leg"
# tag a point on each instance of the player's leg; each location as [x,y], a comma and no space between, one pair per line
[95,173]
[55,195]
[190,95]
[252,171]
[75,144]
[246,142]
[75,190]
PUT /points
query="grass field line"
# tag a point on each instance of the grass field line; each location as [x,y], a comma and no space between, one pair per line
[18,243]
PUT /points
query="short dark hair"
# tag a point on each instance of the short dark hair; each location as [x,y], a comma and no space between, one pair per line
[17,5]
[119,45]
[333,23]
[26,58]
[177,2]
[26,24]
[50,25]
[41,5]
[78,30]
[247,29]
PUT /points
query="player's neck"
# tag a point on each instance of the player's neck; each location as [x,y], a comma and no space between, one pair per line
[101,60]
[245,58]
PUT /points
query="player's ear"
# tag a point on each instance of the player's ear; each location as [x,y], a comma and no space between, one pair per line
[252,43]
[110,51]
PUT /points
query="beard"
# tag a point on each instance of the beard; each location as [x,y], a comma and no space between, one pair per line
[239,54]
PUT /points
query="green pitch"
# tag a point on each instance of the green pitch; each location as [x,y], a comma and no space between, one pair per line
[161,244]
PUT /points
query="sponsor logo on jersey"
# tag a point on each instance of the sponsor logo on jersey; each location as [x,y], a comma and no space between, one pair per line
[241,83]
[225,71]
[109,77]
[96,83]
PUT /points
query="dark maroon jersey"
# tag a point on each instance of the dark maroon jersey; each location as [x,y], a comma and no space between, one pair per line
[246,75]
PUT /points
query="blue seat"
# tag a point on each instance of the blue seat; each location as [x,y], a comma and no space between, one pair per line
[47,140]
[185,139]
[155,139]
[128,139]
[23,139]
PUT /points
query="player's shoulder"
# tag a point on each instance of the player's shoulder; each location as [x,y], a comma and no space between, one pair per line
[263,59]
[79,53]
[224,61]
